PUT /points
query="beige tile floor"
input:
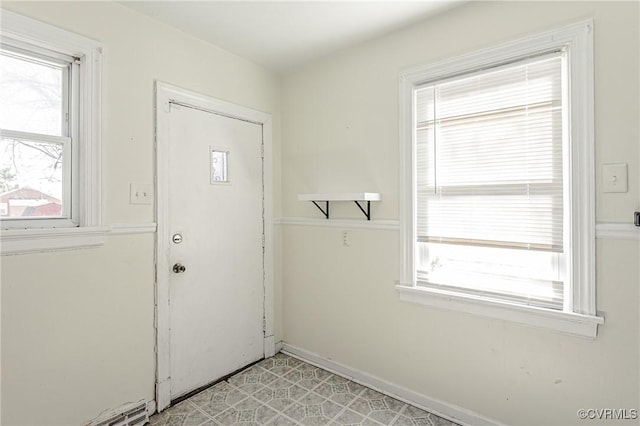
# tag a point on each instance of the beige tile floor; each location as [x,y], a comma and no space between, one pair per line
[282,390]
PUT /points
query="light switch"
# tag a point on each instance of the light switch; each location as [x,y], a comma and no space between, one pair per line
[614,177]
[140,193]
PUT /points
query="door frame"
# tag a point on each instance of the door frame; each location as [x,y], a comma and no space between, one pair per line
[166,93]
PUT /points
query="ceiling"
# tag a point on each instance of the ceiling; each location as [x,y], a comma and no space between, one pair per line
[282,35]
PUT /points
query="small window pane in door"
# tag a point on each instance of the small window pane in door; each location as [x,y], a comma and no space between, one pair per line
[219,166]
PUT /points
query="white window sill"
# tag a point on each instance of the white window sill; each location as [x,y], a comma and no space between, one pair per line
[566,322]
[37,240]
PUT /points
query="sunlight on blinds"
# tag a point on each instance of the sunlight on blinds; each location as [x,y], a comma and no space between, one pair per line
[490,180]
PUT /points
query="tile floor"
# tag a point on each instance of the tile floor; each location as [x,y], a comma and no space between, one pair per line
[283,390]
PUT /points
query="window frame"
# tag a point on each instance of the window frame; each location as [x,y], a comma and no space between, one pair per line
[84,228]
[68,138]
[580,317]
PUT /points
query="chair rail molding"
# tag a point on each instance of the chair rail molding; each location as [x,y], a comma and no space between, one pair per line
[625,231]
[23,241]
[603,229]
[380,224]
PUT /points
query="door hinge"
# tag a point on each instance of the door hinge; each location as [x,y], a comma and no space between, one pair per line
[263,241]
[262,151]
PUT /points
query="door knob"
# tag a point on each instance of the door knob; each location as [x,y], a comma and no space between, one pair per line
[178,268]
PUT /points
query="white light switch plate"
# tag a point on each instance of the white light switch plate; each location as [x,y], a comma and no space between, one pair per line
[614,177]
[140,193]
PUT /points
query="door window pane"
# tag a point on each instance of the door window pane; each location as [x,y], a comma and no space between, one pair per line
[219,165]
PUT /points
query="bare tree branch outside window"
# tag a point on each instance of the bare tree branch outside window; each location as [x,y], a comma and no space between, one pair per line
[31,171]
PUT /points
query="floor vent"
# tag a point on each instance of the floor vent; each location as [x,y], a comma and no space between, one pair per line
[133,416]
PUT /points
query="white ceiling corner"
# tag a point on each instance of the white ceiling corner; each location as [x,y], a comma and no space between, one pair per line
[282,35]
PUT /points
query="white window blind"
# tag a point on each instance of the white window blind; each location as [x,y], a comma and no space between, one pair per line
[491,181]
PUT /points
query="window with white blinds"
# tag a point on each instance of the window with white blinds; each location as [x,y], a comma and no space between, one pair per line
[491,181]
[497,182]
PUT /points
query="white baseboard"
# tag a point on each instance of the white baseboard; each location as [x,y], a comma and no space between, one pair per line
[440,408]
[279,346]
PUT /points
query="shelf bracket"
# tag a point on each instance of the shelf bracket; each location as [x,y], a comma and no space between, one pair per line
[324,211]
[322,201]
[367,213]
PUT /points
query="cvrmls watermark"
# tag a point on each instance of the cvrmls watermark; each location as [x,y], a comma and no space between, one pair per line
[607,414]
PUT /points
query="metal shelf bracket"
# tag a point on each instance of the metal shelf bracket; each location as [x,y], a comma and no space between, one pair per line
[367,213]
[324,211]
[322,201]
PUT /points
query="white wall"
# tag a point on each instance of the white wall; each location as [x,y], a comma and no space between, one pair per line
[77,326]
[340,133]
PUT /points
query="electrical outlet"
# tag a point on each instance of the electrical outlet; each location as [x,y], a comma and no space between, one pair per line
[140,193]
[614,177]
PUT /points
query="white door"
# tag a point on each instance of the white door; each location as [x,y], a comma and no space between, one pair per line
[216,234]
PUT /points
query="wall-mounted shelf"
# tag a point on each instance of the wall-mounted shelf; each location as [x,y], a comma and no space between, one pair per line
[356,197]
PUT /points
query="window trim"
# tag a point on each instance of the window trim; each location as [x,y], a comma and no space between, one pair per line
[582,320]
[88,212]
